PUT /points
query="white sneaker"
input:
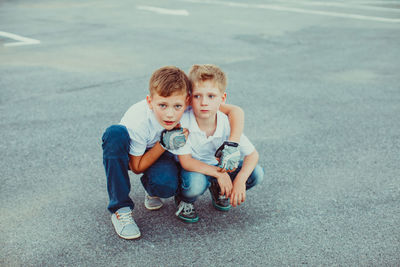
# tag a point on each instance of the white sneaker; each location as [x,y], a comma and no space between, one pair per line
[124,224]
[152,203]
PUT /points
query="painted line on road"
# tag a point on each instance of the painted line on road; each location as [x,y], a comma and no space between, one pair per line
[164,11]
[342,5]
[367,2]
[298,10]
[21,40]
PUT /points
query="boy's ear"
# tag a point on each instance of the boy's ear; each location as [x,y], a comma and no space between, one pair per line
[188,101]
[148,100]
[224,98]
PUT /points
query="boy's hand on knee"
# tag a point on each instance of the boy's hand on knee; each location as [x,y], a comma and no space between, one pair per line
[238,195]
[173,139]
[225,184]
[228,156]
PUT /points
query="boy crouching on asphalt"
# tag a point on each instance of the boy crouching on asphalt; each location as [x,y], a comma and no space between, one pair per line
[209,131]
[139,143]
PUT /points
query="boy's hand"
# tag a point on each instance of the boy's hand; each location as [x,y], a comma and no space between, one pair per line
[225,183]
[238,195]
[173,139]
[228,155]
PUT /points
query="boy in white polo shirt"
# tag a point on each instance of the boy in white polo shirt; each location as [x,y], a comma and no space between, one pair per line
[139,142]
[209,132]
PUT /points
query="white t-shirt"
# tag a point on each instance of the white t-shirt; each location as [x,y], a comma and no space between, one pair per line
[143,128]
[202,147]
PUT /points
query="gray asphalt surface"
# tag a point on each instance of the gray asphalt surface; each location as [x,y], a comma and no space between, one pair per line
[319,83]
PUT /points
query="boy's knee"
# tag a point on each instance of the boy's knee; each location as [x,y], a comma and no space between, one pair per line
[116,132]
[194,184]
[164,190]
[116,141]
[256,177]
[259,173]
[165,187]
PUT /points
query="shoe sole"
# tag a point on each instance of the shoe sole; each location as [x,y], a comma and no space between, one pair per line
[153,208]
[220,208]
[129,237]
[186,220]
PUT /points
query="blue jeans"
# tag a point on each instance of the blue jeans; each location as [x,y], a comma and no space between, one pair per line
[161,179]
[194,184]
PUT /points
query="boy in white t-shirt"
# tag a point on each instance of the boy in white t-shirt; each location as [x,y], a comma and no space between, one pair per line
[209,133]
[139,142]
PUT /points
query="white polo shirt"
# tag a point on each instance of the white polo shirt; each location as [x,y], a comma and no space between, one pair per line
[202,147]
[143,128]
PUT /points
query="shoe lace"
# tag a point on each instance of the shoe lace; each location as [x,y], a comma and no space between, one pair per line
[186,207]
[125,218]
[222,197]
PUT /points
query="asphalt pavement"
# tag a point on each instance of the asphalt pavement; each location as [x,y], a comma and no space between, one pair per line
[320,86]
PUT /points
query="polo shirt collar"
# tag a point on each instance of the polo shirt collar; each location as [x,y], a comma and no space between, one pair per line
[195,127]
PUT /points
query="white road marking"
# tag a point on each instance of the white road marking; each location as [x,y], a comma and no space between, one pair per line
[344,5]
[298,10]
[21,40]
[376,2]
[177,12]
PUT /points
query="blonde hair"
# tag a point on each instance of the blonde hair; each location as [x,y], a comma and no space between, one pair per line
[208,72]
[169,80]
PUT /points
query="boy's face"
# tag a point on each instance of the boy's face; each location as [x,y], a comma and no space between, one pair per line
[206,99]
[167,110]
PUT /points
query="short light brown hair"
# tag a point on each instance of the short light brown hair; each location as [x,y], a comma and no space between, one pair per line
[169,80]
[208,72]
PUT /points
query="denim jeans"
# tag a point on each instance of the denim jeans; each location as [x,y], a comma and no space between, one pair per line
[194,184]
[160,179]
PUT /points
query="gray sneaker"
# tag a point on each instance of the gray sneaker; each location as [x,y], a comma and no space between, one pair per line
[152,203]
[124,224]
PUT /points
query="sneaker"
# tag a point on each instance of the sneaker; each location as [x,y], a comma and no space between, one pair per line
[219,202]
[186,211]
[152,203]
[124,224]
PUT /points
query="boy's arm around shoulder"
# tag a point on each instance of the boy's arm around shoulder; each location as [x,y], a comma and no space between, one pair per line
[236,120]
[139,164]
